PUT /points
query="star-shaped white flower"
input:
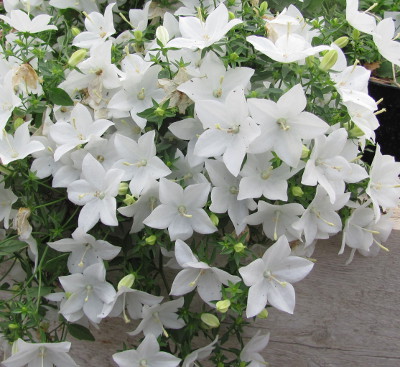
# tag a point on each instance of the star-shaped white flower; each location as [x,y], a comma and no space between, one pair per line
[147,354]
[269,278]
[40,355]
[23,23]
[251,351]
[197,274]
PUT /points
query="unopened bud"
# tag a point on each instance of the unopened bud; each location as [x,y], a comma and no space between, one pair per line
[263,7]
[328,60]
[231,15]
[75,31]
[239,247]
[123,188]
[210,321]
[342,41]
[214,219]
[13,326]
[233,56]
[127,281]
[297,191]
[18,122]
[356,34]
[263,314]
[304,152]
[138,35]
[162,34]
[223,306]
[77,57]
[159,111]
[151,240]
[129,200]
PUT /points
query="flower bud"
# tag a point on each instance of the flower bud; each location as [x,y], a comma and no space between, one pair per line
[356,34]
[297,191]
[162,34]
[159,112]
[13,326]
[214,219]
[123,188]
[328,60]
[239,247]
[233,56]
[263,314]
[127,281]
[210,321]
[77,57]
[138,35]
[129,199]
[263,7]
[151,240]
[304,152]
[231,15]
[18,122]
[342,41]
[223,306]
[75,31]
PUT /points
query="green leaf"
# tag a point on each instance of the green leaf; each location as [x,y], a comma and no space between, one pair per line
[80,332]
[35,292]
[60,97]
[7,247]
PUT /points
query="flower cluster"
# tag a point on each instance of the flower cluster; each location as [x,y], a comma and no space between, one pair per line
[215,139]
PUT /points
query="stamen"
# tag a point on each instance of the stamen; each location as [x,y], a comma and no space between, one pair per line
[318,215]
[182,211]
[381,246]
[276,219]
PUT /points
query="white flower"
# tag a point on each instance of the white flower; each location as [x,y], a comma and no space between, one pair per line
[199,34]
[147,354]
[85,250]
[197,274]
[230,130]
[250,352]
[40,355]
[181,210]
[284,124]
[384,184]
[87,292]
[7,199]
[269,278]
[8,100]
[198,354]
[96,191]
[18,146]
[160,316]
[359,20]
[384,38]
[99,28]
[22,23]
[80,130]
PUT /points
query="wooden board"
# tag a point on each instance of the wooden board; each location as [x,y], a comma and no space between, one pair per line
[345,316]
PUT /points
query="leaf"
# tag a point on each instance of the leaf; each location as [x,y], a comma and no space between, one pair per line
[35,292]
[60,97]
[80,332]
[7,247]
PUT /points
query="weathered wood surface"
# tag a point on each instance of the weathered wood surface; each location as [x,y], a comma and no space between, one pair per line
[345,316]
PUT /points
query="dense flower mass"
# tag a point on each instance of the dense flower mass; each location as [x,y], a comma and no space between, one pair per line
[125,132]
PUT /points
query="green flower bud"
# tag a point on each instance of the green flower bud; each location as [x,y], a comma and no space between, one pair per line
[75,31]
[342,41]
[223,306]
[18,122]
[263,7]
[151,240]
[129,200]
[13,326]
[210,321]
[356,34]
[220,364]
[162,34]
[138,35]
[297,191]
[231,15]
[127,281]
[239,247]
[77,57]
[123,188]
[214,219]
[263,314]
[304,152]
[354,132]
[233,56]
[328,60]
[159,112]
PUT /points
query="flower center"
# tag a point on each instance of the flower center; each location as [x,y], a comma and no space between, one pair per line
[233,190]
[182,211]
[283,124]
[266,174]
[141,95]
[143,363]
